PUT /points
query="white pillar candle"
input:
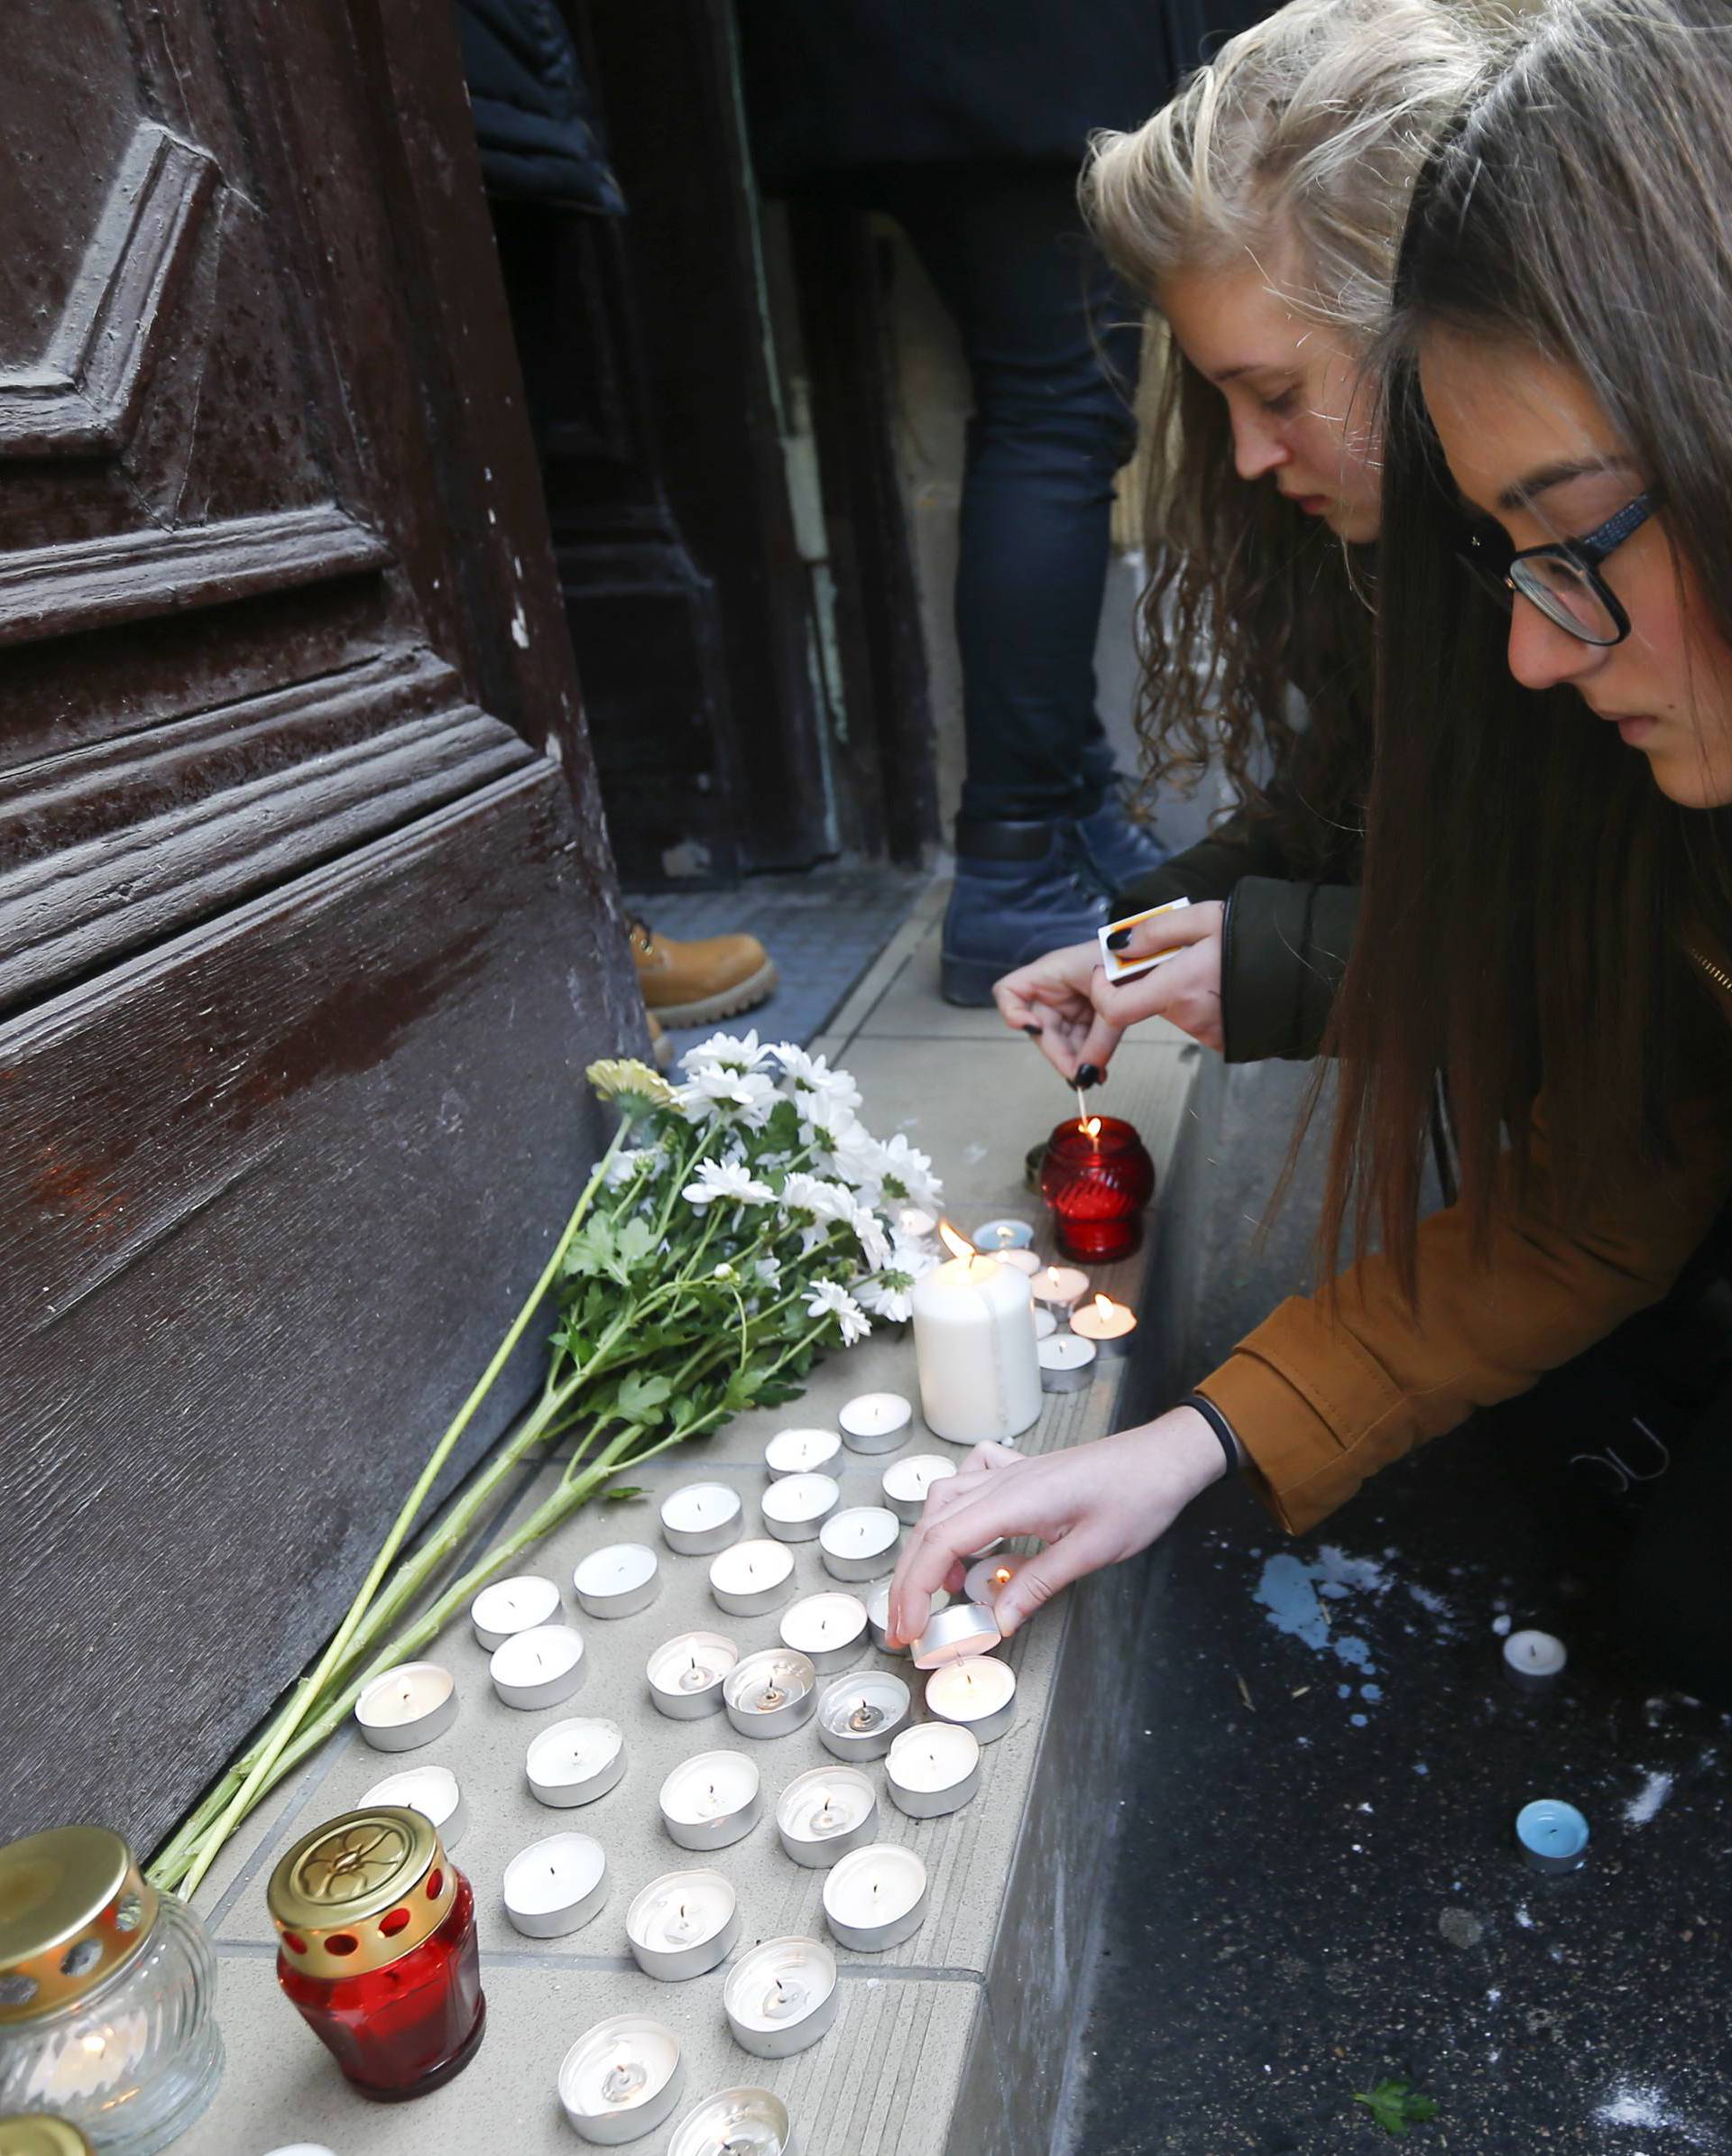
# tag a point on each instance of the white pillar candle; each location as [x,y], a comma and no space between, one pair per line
[876,1423]
[932,1770]
[1024,1261]
[982,1581]
[796,1507]
[752,1579]
[682,1925]
[1109,1324]
[825,1813]
[701,1518]
[974,1343]
[1534,1660]
[617,1582]
[907,1482]
[511,1605]
[1060,1287]
[539,1668]
[432,1791]
[685,1674]
[622,2079]
[739,2122]
[876,1897]
[770,1694]
[877,1616]
[556,1886]
[996,1237]
[408,1707]
[574,1761]
[711,1801]
[1067,1363]
[859,1715]
[781,1997]
[977,1692]
[958,1634]
[829,1630]
[800,1452]
[860,1543]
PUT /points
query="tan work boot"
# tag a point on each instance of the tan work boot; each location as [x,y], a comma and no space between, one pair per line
[698,983]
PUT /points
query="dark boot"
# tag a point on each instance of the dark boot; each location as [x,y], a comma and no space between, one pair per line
[1021,889]
[1121,849]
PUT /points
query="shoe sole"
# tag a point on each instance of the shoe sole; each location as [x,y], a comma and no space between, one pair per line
[968,982]
[726,1003]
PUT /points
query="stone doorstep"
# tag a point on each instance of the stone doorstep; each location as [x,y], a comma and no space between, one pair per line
[955,2043]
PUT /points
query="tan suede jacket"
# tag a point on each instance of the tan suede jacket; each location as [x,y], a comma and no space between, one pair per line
[1324,1393]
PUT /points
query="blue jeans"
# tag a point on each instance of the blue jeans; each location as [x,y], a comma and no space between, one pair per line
[1051,345]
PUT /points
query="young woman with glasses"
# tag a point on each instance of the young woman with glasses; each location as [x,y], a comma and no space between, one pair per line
[1546,851]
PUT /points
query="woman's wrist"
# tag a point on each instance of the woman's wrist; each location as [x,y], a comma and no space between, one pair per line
[1188,1441]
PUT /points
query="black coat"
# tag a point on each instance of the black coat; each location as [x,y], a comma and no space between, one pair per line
[538,135]
[834,85]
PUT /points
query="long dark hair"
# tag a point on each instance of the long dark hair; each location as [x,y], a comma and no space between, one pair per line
[1530,895]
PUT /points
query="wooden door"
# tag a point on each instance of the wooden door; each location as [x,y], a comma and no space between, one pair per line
[307,917]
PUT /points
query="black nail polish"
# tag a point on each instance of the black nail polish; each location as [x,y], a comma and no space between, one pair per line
[1033,1032]
[1118,939]
[1086,1076]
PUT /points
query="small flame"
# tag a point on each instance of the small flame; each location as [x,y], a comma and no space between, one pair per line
[958,1246]
[1092,1129]
[1104,1306]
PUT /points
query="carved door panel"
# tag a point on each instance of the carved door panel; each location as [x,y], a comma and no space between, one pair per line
[307,917]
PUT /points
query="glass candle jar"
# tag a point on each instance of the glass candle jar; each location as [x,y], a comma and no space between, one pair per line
[105,1993]
[377,1949]
[1097,1176]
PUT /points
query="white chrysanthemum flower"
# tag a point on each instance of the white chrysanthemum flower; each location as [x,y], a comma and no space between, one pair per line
[769,1270]
[725,1052]
[887,1295]
[830,1299]
[727,1179]
[806,1077]
[823,1201]
[869,1234]
[826,1121]
[745,1096]
[635,1161]
[906,1173]
[862,1160]
[912,1257]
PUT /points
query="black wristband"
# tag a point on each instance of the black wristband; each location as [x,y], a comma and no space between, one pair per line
[1222,1428]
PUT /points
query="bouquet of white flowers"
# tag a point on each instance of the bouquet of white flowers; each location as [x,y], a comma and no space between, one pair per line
[737,1226]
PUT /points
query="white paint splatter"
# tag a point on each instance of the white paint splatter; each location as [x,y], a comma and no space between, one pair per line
[1523,1919]
[1500,1625]
[1629,2106]
[1642,1807]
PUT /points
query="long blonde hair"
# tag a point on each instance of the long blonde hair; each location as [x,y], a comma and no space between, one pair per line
[1294,148]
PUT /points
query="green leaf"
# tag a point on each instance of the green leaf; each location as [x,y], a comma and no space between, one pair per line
[1395,2105]
[636,1242]
[618,1497]
[640,1395]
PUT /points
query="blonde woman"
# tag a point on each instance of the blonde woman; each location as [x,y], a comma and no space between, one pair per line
[1259,214]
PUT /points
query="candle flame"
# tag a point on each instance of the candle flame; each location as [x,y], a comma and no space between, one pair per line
[1104,1306]
[958,1246]
[1092,1127]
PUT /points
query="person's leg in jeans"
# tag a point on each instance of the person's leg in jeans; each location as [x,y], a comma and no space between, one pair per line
[1052,348]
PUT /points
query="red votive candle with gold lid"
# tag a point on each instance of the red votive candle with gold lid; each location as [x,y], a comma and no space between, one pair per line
[376,1948]
[1097,1177]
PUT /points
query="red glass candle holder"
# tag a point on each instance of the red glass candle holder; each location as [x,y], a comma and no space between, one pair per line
[376,1933]
[1097,1177]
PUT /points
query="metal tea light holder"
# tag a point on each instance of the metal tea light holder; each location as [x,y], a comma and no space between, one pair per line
[780,1997]
[860,1715]
[622,2079]
[825,1814]
[770,1694]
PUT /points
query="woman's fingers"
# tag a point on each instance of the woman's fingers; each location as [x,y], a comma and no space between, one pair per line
[1037,1579]
[1169,931]
[947,1533]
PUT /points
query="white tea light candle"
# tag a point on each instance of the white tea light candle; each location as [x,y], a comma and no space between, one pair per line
[1045,1324]
[878,1618]
[932,1770]
[907,1482]
[617,1582]
[801,1452]
[876,1897]
[1110,1325]
[770,1694]
[996,1237]
[982,1581]
[556,1886]
[740,2122]
[622,2079]
[752,1579]
[701,1518]
[963,1630]
[711,1801]
[978,1693]
[974,1346]
[1535,1661]
[796,1507]
[860,1543]
[576,1762]
[539,1668]
[1067,1363]
[780,1997]
[915,1223]
[683,1925]
[1024,1261]
[432,1791]
[876,1423]
[859,1715]
[825,1813]
[1059,1287]
[408,1707]
[511,1605]
[684,1674]
[829,1630]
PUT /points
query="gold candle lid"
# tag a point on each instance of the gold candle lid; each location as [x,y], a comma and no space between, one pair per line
[73,1909]
[361,1892]
[40,2136]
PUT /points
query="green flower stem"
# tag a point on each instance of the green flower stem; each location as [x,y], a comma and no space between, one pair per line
[336,1651]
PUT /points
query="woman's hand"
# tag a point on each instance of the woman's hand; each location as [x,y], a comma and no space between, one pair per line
[1052,1000]
[1186,991]
[1092,1505]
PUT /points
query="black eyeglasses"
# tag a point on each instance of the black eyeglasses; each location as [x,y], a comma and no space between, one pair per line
[1563,579]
